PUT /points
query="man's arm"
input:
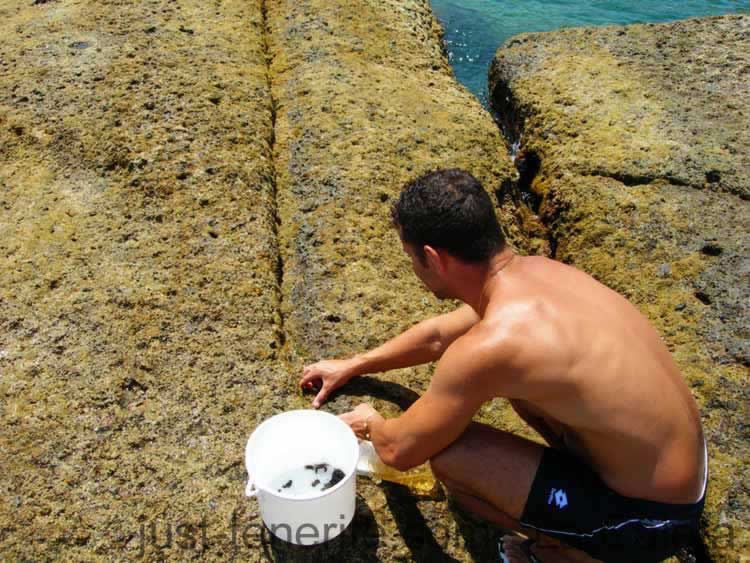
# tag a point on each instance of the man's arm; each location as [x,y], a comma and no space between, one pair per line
[422,343]
[459,387]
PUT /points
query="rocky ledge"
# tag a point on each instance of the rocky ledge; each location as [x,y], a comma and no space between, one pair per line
[634,145]
[194,201]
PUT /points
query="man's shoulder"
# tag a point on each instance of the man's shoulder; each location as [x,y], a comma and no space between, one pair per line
[510,323]
[514,338]
[482,363]
[488,345]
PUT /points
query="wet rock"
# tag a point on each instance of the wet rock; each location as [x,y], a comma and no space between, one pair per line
[642,143]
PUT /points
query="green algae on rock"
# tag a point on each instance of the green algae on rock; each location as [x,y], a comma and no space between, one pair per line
[637,139]
[138,290]
[148,176]
[365,100]
[363,104]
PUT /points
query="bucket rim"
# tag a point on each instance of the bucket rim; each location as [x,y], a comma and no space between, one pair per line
[333,489]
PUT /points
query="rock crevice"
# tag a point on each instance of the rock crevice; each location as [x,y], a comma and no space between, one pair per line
[273,108]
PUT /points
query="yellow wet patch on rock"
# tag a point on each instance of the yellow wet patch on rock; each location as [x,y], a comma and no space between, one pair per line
[637,144]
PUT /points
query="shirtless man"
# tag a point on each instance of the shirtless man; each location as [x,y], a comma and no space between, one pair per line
[624,476]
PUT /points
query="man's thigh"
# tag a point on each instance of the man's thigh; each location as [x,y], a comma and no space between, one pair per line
[496,466]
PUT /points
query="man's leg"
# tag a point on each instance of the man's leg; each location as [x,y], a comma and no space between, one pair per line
[490,473]
[493,466]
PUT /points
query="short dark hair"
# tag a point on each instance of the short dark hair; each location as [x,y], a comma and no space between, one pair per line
[449,209]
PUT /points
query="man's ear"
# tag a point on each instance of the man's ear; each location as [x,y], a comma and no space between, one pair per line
[433,258]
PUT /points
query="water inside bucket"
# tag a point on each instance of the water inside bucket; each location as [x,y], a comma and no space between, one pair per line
[307,480]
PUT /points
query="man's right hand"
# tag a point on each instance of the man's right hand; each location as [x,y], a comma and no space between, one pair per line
[424,342]
[328,375]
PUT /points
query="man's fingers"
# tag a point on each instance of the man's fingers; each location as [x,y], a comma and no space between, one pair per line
[309,377]
[321,396]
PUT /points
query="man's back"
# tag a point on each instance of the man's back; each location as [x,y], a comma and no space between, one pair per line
[588,363]
[623,478]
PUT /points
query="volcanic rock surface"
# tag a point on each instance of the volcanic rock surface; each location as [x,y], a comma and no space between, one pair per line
[195,202]
[634,156]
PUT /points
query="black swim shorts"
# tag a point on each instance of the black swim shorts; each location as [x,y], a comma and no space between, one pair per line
[568,501]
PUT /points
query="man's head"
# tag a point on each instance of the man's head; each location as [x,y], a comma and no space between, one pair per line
[446,211]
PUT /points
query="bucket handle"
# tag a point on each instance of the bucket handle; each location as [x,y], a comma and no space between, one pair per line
[250,489]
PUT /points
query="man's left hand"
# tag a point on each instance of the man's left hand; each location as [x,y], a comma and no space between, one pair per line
[357,419]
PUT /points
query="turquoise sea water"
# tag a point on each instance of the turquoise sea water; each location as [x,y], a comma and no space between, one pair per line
[474,29]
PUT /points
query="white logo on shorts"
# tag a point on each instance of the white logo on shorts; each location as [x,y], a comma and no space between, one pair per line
[559,496]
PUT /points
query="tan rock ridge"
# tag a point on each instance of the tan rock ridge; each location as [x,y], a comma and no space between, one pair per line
[138,289]
[634,161]
[363,105]
[365,100]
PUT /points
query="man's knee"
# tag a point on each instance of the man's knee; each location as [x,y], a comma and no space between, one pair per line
[439,466]
[450,466]
[441,470]
[444,468]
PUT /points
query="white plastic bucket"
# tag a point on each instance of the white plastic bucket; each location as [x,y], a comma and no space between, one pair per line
[289,441]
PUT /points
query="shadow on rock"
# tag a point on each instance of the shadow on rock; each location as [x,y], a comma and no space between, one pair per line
[413,527]
[359,542]
[379,389]
[480,536]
